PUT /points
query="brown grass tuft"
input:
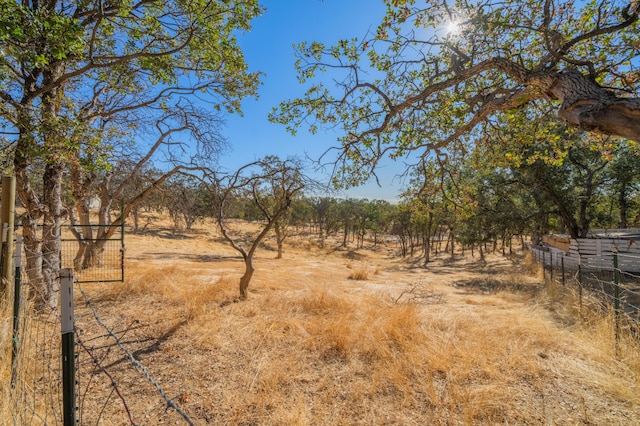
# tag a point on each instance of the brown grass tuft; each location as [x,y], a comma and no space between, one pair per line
[360,274]
[531,267]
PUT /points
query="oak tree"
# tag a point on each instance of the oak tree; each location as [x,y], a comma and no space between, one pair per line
[439,73]
[271,185]
[74,75]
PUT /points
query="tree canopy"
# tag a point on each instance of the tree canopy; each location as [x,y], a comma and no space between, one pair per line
[440,73]
[78,77]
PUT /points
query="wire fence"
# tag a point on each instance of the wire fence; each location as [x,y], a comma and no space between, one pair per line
[613,286]
[35,389]
[107,378]
[93,259]
[35,394]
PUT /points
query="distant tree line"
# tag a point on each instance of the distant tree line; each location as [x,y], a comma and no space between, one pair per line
[480,201]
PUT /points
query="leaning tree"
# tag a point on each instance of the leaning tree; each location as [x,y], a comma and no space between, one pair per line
[441,73]
[271,184]
[76,74]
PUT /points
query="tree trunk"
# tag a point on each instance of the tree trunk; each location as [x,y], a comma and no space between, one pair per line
[591,107]
[427,240]
[34,211]
[34,259]
[280,237]
[438,245]
[565,214]
[585,104]
[246,277]
[94,254]
[427,249]
[403,245]
[624,207]
[47,143]
[453,243]
[136,219]
[80,215]
[79,259]
[52,220]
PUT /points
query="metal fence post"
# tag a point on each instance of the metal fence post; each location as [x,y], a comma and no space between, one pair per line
[616,291]
[122,250]
[562,268]
[68,348]
[17,301]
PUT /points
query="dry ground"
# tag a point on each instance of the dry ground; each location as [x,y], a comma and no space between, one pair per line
[332,336]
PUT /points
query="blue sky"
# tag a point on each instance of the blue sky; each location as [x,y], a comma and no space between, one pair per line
[268,48]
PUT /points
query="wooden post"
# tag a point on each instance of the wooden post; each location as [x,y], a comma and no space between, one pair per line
[7,216]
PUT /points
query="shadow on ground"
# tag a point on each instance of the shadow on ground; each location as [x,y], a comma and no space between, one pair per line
[491,286]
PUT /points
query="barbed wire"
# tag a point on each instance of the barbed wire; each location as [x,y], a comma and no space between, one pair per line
[36,396]
[629,274]
[170,403]
[114,384]
[98,367]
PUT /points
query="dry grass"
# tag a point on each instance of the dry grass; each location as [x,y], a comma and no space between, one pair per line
[314,346]
[170,285]
[612,337]
[5,353]
[360,274]
[35,398]
[363,359]
[530,267]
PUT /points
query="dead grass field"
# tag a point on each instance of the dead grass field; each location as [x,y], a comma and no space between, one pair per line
[337,336]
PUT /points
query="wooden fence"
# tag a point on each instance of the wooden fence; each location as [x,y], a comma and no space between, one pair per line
[593,253]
